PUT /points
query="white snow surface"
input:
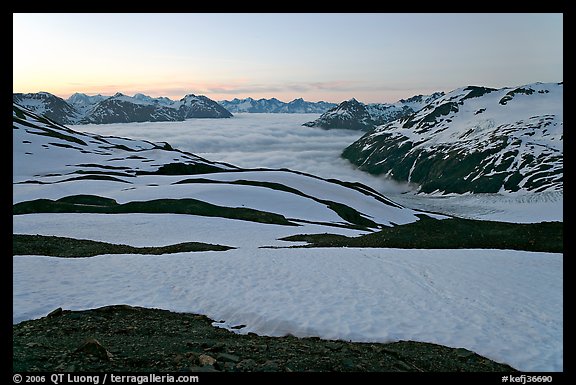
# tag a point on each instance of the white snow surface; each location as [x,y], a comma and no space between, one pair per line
[505,305]
[141,230]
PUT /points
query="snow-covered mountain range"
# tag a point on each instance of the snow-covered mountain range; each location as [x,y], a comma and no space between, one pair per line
[473,139]
[119,108]
[273,105]
[354,115]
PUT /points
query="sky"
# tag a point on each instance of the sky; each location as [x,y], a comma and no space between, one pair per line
[374,57]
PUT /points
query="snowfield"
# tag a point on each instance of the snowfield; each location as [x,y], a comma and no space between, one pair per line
[142,230]
[505,305]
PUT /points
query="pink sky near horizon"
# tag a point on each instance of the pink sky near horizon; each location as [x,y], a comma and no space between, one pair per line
[330,57]
[229,93]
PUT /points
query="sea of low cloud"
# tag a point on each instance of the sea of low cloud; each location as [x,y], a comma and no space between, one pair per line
[280,141]
[258,140]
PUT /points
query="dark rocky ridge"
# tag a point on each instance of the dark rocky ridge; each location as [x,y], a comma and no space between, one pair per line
[133,339]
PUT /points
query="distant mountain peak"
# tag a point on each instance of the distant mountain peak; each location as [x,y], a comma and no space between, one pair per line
[354,115]
[119,108]
[274,105]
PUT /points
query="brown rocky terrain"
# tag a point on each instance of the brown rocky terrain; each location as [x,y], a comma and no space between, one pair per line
[122,338]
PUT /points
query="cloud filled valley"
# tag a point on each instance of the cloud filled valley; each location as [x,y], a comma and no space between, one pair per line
[281,141]
[257,140]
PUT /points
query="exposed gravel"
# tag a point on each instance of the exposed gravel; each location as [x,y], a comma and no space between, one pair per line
[132,339]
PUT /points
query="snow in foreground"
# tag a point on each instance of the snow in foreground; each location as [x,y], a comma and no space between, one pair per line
[506,305]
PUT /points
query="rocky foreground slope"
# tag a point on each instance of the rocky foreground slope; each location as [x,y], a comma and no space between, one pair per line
[133,339]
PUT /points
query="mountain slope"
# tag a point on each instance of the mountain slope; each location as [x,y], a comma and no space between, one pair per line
[82,102]
[473,139]
[274,105]
[43,148]
[51,106]
[192,106]
[98,109]
[354,115]
[124,109]
[350,114]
